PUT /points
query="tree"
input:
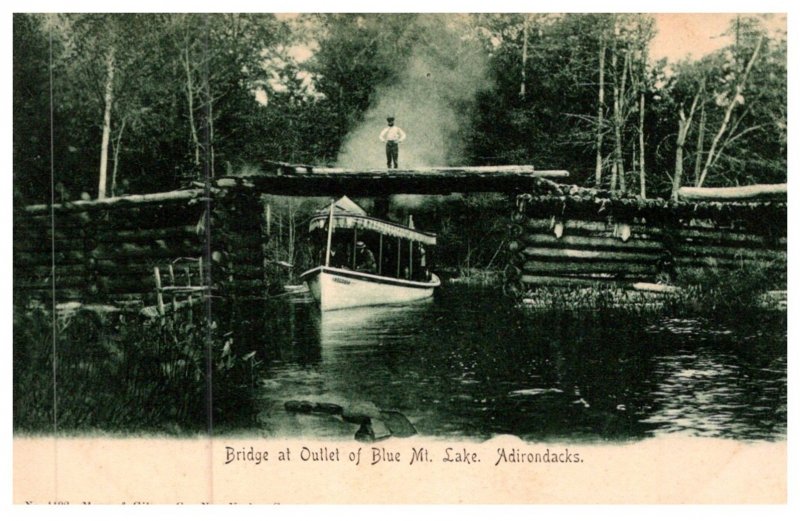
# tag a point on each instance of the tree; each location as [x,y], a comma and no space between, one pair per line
[746,117]
[730,100]
[31,110]
[684,124]
[598,169]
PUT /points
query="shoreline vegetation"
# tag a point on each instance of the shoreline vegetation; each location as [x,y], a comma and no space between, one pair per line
[705,291]
[126,373]
[123,373]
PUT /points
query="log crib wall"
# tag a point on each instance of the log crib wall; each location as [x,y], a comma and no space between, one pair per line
[105,251]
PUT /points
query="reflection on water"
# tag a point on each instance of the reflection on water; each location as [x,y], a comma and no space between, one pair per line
[469,364]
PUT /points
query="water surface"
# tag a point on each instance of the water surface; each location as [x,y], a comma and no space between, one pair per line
[469,364]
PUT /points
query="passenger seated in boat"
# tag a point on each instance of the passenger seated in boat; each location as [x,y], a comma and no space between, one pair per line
[338,258]
[365,260]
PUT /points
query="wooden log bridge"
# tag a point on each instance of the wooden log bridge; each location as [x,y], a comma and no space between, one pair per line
[106,250]
[303,180]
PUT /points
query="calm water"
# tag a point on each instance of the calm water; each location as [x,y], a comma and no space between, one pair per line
[468,364]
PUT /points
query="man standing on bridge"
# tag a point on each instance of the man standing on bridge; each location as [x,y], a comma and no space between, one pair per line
[392,136]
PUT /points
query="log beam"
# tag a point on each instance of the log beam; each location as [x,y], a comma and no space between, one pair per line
[733,193]
[442,180]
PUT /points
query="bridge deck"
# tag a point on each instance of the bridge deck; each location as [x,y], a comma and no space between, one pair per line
[287,179]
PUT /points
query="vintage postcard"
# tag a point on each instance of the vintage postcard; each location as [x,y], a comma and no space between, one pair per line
[400,258]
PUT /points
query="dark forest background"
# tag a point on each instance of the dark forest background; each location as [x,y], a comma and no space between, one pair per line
[166,96]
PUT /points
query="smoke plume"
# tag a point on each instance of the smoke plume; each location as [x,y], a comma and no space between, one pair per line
[431,100]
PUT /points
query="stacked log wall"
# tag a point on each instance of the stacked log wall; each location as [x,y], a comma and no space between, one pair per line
[107,252]
[584,239]
[237,241]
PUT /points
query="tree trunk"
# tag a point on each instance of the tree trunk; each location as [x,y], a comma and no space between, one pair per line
[684,124]
[642,178]
[109,100]
[524,55]
[620,118]
[598,167]
[683,127]
[737,93]
[116,144]
[187,66]
[698,154]
[618,172]
[211,131]
[291,233]
[613,183]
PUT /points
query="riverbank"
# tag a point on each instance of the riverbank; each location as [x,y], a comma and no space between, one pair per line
[468,363]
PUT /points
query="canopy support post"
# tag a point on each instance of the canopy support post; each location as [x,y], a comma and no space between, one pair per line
[330,235]
[410,260]
[399,249]
[380,255]
[355,246]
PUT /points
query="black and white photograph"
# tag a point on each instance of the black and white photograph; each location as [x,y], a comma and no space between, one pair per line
[483,242]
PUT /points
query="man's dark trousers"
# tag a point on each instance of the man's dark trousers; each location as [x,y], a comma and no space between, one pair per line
[391,153]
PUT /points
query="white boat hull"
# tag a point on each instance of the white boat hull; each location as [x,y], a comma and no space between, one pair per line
[336,288]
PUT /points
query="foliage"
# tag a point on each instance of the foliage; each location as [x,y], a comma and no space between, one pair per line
[120,373]
[731,293]
[219,93]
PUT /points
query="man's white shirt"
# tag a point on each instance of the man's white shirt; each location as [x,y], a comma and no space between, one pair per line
[393,134]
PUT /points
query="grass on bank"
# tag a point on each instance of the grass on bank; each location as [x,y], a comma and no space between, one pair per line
[120,373]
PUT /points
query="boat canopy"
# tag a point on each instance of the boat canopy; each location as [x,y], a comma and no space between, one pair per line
[348,215]
[343,205]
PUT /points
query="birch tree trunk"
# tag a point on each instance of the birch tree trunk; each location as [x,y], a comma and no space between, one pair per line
[598,167]
[524,55]
[683,128]
[117,143]
[109,100]
[615,96]
[698,154]
[618,91]
[684,123]
[642,179]
[737,95]
[620,123]
[211,131]
[187,66]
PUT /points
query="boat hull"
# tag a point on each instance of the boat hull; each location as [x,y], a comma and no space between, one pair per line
[336,288]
